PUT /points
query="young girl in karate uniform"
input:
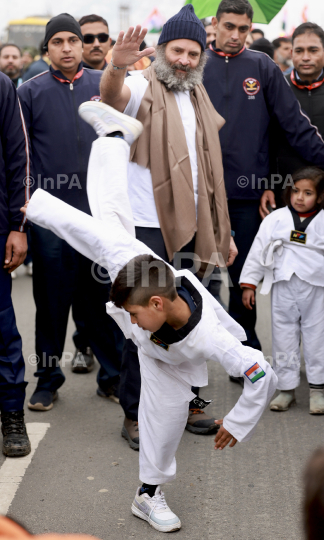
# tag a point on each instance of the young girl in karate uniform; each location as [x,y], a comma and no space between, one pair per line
[288,254]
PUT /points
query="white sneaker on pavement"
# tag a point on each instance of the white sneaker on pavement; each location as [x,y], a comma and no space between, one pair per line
[105,119]
[283,400]
[316,401]
[156,511]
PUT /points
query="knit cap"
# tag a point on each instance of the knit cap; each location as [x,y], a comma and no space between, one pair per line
[184,25]
[62,23]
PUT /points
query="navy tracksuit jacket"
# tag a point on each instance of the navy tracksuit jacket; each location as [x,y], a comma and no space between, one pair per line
[248,89]
[61,143]
[14,191]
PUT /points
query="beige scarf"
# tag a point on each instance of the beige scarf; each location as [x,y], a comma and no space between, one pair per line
[162,148]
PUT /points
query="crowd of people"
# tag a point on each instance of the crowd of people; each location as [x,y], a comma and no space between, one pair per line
[134,192]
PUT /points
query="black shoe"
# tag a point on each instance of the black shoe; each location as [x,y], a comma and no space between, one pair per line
[42,400]
[111,393]
[83,361]
[237,380]
[130,433]
[15,439]
[200,423]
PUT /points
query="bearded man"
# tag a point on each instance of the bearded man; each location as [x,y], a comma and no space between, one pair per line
[175,179]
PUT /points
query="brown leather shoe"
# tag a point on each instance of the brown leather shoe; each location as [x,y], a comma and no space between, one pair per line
[130,433]
[200,423]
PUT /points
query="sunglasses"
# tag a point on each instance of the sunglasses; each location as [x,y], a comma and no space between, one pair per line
[89,38]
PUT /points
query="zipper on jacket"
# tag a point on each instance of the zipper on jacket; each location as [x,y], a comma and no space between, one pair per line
[77,120]
[226,110]
[310,113]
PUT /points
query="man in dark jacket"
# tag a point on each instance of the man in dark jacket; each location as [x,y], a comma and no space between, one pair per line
[307,83]
[247,89]
[61,144]
[14,191]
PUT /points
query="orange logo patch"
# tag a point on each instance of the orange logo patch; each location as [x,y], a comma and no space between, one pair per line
[251,86]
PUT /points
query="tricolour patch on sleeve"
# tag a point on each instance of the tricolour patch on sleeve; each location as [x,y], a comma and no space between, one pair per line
[254,373]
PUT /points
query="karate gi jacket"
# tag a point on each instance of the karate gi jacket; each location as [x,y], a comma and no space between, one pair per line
[276,253]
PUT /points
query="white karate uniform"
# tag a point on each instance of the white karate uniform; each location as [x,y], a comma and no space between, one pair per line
[167,375]
[295,272]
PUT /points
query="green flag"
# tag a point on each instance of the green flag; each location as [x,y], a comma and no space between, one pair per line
[264,10]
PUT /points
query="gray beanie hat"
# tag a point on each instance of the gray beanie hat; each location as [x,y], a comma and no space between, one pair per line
[184,25]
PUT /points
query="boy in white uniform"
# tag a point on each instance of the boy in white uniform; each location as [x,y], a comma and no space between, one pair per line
[175,329]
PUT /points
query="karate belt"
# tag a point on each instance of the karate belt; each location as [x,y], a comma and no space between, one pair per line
[267,261]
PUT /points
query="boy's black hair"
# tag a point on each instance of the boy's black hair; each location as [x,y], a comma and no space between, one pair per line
[314,174]
[309,28]
[239,7]
[140,279]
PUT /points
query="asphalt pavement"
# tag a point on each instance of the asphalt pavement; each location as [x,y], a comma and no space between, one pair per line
[83,475]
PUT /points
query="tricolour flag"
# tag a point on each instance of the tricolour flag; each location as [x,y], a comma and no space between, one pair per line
[154,22]
[304,14]
[254,373]
[284,22]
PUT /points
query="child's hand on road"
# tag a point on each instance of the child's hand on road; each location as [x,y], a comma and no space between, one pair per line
[248,298]
[223,437]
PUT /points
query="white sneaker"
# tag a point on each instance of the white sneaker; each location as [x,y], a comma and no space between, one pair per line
[156,511]
[316,401]
[283,400]
[105,119]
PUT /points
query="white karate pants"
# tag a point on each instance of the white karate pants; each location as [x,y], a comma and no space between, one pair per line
[162,418]
[297,312]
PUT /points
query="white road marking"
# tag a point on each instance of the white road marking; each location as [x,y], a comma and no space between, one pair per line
[13,469]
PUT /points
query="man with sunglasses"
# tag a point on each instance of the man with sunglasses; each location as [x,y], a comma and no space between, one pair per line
[96,41]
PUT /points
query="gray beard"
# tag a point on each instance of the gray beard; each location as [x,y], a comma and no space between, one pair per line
[166,72]
[284,61]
